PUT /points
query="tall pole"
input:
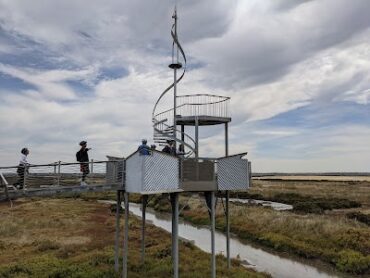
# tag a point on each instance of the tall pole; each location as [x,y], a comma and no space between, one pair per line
[213,230]
[125,239]
[175,82]
[175,233]
[143,211]
[227,202]
[116,245]
[197,147]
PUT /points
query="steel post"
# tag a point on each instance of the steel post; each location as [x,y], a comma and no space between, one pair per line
[174,105]
[197,147]
[182,133]
[125,239]
[175,233]
[24,177]
[226,139]
[143,211]
[213,230]
[92,166]
[58,180]
[227,230]
[116,244]
[227,201]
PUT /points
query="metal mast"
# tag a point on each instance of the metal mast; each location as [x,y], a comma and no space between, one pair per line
[175,65]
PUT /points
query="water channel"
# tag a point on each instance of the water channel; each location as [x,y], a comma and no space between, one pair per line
[253,257]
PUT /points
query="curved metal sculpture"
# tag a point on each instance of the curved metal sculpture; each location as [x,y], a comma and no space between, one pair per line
[163,129]
[185,106]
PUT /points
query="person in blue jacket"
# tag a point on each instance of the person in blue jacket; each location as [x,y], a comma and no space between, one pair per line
[144,148]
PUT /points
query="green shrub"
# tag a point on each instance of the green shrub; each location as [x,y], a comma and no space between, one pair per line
[307,207]
[353,262]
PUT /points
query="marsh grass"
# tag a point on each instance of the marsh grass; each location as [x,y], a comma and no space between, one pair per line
[358,191]
[75,238]
[334,239]
[331,236]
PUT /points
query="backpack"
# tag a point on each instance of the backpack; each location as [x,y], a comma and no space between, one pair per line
[78,156]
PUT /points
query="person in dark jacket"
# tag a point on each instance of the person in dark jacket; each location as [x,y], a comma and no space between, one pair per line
[181,151]
[170,148]
[144,148]
[82,156]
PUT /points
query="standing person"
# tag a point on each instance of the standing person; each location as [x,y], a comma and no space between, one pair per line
[144,148]
[170,148]
[167,148]
[181,151]
[83,157]
[173,148]
[22,168]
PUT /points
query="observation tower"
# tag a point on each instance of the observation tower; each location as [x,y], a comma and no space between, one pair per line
[161,173]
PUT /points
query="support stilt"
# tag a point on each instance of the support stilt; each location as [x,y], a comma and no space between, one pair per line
[125,239]
[227,201]
[213,229]
[227,230]
[116,244]
[143,211]
[175,233]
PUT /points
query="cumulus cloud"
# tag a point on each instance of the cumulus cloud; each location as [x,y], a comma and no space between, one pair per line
[90,70]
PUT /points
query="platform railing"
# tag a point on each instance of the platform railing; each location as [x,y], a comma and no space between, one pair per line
[198,105]
[59,174]
[189,106]
[203,105]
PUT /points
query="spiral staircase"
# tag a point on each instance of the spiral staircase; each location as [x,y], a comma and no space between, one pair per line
[188,110]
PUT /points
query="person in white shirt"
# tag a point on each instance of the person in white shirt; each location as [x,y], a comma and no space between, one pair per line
[22,168]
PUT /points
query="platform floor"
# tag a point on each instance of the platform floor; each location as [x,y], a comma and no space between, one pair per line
[202,120]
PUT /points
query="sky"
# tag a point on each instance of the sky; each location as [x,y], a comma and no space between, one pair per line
[297,72]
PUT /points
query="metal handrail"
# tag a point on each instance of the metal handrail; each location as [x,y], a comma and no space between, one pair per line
[209,95]
[224,99]
[62,164]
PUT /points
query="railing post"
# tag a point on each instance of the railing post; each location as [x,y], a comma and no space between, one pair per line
[58,180]
[92,166]
[24,177]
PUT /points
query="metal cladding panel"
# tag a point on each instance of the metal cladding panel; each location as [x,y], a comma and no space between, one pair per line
[233,173]
[134,173]
[161,173]
[114,170]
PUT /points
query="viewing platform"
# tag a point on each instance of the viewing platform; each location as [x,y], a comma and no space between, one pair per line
[204,109]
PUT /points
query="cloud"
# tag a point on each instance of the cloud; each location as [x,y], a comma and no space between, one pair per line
[296,72]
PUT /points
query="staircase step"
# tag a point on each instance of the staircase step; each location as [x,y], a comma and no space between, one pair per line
[159,122]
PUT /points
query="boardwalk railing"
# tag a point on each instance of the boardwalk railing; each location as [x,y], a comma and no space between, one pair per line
[62,174]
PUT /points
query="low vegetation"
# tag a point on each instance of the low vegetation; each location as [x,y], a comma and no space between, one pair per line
[302,203]
[335,239]
[75,238]
[358,191]
[329,221]
[358,216]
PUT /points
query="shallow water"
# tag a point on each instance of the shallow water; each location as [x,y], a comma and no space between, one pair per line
[274,205]
[256,258]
